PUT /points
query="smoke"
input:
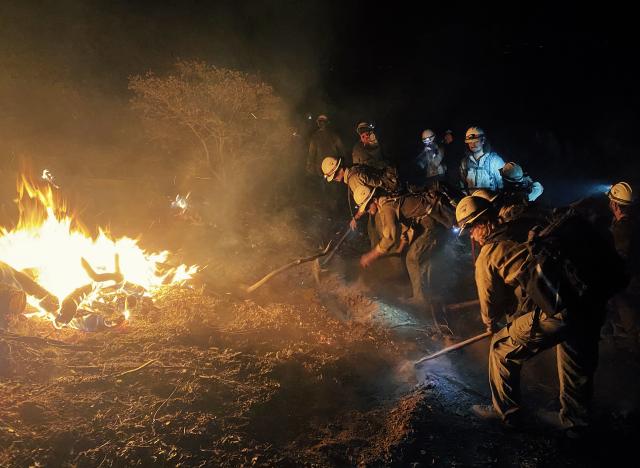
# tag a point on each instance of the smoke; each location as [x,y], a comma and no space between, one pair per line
[64,73]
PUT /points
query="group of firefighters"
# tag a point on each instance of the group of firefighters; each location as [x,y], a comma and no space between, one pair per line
[523,306]
[495,202]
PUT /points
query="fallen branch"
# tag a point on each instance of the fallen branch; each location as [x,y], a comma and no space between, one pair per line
[131,371]
[153,420]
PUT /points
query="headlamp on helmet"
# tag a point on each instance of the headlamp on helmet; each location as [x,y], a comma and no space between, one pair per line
[364,127]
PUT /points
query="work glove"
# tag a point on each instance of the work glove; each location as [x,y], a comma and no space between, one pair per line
[353,224]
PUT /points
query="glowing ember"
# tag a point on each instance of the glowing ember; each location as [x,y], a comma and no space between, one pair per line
[181,203]
[51,245]
[48,176]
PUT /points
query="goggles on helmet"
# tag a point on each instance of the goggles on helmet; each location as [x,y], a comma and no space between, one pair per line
[365,129]
[473,137]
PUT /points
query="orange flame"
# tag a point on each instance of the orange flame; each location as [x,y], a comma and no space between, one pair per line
[50,243]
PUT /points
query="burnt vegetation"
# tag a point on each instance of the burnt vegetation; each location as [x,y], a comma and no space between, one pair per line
[298,373]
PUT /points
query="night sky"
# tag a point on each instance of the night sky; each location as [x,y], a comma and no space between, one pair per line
[529,74]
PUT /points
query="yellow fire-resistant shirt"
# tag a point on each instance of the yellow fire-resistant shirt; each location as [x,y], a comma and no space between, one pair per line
[497,269]
[390,226]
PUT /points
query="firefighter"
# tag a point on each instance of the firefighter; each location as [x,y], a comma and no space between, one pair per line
[419,222]
[367,150]
[517,182]
[498,269]
[386,181]
[429,161]
[626,236]
[480,167]
[447,139]
[15,286]
[324,142]
[512,203]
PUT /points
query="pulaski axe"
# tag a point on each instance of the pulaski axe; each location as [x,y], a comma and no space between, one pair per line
[317,266]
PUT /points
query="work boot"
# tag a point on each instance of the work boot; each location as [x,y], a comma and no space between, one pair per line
[489,413]
[550,419]
[415,301]
[577,433]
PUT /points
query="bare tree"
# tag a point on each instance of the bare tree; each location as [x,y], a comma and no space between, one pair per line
[234,118]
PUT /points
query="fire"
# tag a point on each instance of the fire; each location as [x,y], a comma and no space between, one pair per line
[50,244]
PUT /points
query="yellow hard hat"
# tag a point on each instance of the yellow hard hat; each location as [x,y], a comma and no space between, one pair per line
[330,166]
[621,193]
[469,209]
[485,193]
[362,195]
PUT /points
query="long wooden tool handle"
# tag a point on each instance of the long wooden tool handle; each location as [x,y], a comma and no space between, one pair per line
[337,246]
[277,271]
[462,305]
[453,347]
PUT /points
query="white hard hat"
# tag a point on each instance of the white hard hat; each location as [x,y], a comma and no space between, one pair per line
[469,209]
[330,166]
[621,193]
[362,195]
[485,193]
[473,134]
[428,134]
[512,172]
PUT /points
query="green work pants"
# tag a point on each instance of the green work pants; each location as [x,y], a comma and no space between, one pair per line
[577,359]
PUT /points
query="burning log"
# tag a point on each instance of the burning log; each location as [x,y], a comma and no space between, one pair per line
[99,277]
[48,241]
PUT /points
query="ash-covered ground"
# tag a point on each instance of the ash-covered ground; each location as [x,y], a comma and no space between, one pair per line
[297,373]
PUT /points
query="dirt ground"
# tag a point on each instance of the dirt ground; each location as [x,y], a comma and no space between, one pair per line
[295,374]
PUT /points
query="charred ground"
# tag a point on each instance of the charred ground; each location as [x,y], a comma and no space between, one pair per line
[295,374]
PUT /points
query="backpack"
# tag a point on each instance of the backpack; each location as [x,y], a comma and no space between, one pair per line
[387,177]
[432,203]
[571,267]
[443,208]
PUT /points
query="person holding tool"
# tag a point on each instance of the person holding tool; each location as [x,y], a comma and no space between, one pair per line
[384,180]
[511,274]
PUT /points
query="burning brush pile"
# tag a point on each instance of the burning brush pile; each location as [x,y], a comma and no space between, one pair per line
[71,278]
[174,375]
